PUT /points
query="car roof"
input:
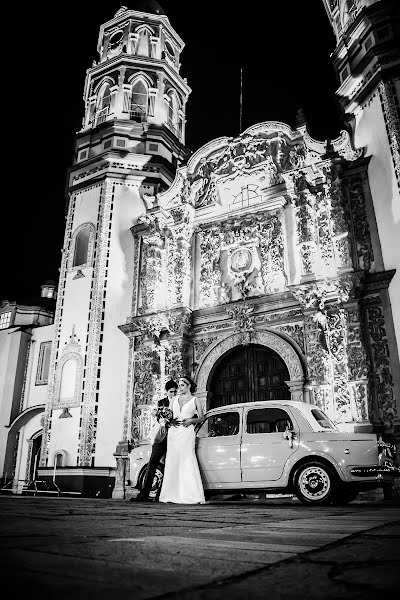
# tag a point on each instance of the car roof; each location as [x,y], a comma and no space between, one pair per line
[264,404]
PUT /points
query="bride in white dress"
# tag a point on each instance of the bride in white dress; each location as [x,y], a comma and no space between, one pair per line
[182,480]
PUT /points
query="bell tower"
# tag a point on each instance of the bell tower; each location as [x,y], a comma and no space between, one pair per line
[367,63]
[135,98]
[130,144]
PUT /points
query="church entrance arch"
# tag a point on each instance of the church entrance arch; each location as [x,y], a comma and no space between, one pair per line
[273,347]
[248,374]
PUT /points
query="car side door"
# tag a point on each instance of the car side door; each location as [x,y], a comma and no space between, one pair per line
[265,449]
[218,449]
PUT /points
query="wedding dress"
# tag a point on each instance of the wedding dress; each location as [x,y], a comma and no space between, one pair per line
[182,480]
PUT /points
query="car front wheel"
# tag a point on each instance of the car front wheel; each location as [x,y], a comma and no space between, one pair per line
[314,483]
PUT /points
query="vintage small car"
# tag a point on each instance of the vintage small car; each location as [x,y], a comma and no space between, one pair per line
[281,447]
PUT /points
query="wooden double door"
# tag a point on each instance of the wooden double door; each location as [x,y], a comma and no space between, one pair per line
[248,374]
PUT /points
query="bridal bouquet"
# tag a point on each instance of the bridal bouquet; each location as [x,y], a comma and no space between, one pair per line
[164,415]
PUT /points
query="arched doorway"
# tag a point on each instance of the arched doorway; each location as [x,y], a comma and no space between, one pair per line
[35,457]
[247,374]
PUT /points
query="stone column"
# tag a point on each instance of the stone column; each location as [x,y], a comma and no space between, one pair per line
[180,255]
[122,473]
[304,202]
[296,388]
[28,460]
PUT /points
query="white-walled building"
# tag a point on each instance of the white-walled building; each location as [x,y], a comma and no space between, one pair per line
[26,336]
[264,265]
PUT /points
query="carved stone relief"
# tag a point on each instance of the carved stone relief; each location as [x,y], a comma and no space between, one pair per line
[242,259]
[180,254]
[381,368]
[362,234]
[200,346]
[387,95]
[210,270]
[295,331]
[243,321]
[337,363]
[322,225]
[269,153]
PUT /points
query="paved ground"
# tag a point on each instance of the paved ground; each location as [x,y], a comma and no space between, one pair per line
[93,548]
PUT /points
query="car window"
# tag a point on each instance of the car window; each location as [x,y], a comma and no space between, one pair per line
[268,420]
[221,424]
[323,421]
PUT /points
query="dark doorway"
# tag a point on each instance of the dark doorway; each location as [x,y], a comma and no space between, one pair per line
[247,374]
[36,447]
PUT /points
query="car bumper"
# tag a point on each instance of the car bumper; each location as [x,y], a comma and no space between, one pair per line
[384,472]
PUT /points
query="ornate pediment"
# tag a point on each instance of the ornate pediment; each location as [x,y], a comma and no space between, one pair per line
[232,174]
[265,154]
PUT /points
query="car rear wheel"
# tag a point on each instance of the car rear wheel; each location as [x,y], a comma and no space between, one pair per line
[314,483]
[157,481]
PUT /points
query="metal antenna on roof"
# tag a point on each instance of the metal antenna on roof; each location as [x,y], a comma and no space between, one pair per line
[241,101]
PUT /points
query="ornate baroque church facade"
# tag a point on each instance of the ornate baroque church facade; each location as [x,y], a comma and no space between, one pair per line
[261,265]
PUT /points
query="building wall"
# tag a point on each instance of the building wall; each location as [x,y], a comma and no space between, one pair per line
[13,348]
[35,393]
[371,134]
[24,452]
[114,377]
[93,307]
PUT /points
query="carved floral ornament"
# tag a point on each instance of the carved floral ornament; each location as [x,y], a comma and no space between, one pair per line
[241,258]
[316,295]
[243,321]
[172,321]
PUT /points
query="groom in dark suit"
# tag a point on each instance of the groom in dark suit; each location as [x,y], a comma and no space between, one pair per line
[159,447]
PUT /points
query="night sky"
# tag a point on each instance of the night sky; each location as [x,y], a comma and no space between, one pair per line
[283,48]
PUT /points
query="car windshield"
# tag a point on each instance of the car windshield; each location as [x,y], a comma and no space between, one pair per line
[323,421]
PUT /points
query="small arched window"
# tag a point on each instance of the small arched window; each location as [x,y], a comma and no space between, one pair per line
[143,46]
[173,113]
[68,380]
[81,247]
[139,102]
[59,460]
[103,104]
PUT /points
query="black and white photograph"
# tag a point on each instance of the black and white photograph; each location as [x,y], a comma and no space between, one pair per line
[200,300]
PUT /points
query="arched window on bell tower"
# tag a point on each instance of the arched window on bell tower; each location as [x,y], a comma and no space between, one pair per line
[82,244]
[143,47]
[174,120]
[81,247]
[103,104]
[139,102]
